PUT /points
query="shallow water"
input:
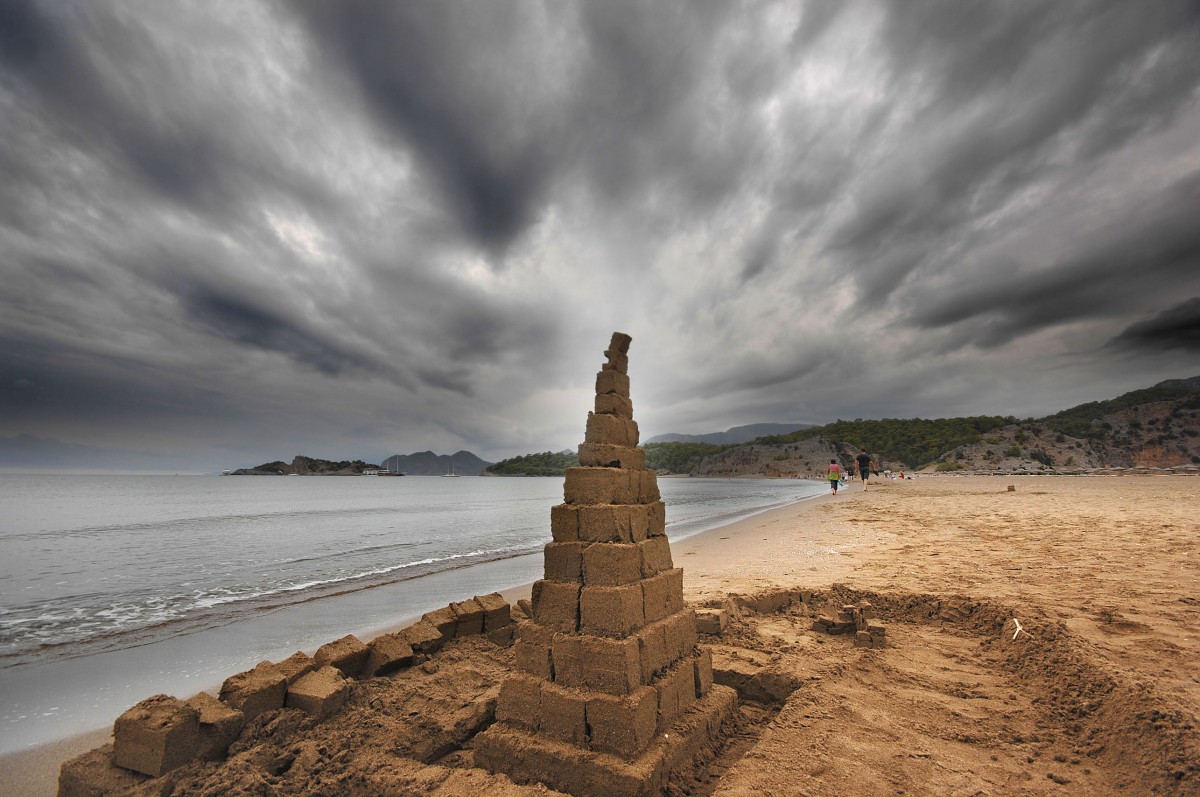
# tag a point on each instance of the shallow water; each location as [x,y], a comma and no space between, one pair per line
[113,588]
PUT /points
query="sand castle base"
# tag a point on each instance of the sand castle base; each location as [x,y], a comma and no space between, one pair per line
[528,757]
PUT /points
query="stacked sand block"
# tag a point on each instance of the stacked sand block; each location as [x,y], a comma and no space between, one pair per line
[162,733]
[858,619]
[611,693]
[156,736]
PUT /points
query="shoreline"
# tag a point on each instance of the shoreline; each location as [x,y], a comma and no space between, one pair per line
[1072,550]
[34,770]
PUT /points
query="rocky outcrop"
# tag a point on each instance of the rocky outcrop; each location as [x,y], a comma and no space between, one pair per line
[805,459]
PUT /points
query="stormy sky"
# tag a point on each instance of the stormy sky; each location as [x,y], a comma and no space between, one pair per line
[235,231]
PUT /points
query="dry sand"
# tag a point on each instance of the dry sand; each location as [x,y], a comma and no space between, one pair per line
[1098,695]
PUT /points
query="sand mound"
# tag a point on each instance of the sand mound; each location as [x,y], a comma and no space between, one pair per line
[953,705]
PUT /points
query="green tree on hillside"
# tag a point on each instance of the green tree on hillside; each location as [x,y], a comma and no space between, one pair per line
[1079,421]
[915,441]
[547,463]
[679,457]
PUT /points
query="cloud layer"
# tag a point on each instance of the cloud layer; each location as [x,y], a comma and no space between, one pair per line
[238,231]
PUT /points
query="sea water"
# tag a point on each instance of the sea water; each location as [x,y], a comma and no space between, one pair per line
[113,588]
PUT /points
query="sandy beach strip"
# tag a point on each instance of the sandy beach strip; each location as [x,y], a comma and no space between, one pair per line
[1112,562]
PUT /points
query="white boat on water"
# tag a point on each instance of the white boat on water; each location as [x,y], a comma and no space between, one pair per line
[450,473]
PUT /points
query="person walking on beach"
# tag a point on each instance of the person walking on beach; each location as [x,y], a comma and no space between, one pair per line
[835,476]
[864,466]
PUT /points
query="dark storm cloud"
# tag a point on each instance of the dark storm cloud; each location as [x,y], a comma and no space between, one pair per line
[97,80]
[408,222]
[247,322]
[1176,328]
[1011,87]
[1159,246]
[442,78]
[499,110]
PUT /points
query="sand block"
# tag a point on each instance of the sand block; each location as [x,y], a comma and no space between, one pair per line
[711,621]
[423,636]
[653,655]
[348,654]
[94,774]
[676,692]
[496,611]
[611,429]
[566,655]
[616,362]
[528,758]
[157,735]
[296,665]
[647,490]
[520,701]
[606,455]
[655,555]
[610,564]
[862,639]
[444,620]
[681,632]
[612,666]
[648,520]
[619,342]
[220,725]
[387,654]
[255,691]
[564,523]
[771,602]
[663,594]
[320,693]
[703,671]
[599,486]
[533,655]
[563,561]
[612,404]
[556,604]
[623,726]
[611,611]
[563,717]
[502,636]
[612,382]
[469,617]
[608,523]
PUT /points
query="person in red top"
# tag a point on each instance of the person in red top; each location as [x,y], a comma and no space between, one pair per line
[864,466]
[835,476]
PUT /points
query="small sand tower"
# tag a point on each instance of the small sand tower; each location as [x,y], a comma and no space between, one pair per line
[611,693]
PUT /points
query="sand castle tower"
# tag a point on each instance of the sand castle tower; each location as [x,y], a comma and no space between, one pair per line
[611,693]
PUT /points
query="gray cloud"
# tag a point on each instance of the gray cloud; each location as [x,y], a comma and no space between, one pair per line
[1175,328]
[1160,244]
[353,228]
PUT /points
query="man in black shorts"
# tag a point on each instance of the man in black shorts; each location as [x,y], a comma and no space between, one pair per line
[864,466]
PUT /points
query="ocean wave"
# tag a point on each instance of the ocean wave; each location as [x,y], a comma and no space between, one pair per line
[44,628]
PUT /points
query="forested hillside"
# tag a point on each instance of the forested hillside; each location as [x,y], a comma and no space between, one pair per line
[547,463]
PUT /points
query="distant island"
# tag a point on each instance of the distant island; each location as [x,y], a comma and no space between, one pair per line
[308,466]
[427,463]
[422,463]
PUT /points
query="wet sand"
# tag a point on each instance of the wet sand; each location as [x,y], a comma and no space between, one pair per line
[1100,694]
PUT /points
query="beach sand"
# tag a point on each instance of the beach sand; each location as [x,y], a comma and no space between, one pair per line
[1097,694]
